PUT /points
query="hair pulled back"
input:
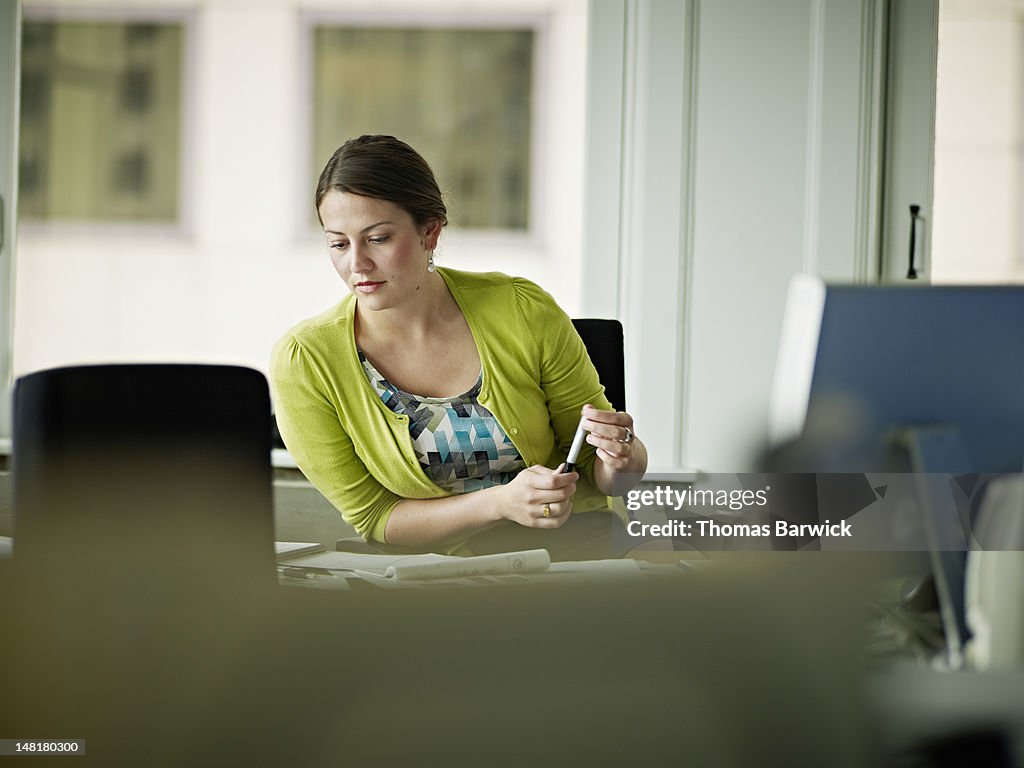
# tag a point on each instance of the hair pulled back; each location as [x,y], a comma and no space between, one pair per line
[385,168]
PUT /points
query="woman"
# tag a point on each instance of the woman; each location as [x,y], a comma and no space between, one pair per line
[432,405]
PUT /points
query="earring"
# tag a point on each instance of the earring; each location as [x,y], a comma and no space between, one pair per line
[430,262]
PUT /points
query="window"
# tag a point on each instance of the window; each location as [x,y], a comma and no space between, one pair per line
[100,120]
[463,97]
[979,143]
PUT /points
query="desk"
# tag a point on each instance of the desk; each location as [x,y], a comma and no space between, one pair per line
[735,666]
[732,668]
[918,706]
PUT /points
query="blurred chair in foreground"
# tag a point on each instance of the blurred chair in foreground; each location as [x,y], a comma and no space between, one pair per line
[161,470]
[143,570]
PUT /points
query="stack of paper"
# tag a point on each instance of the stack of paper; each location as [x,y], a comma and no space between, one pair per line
[289,549]
[421,567]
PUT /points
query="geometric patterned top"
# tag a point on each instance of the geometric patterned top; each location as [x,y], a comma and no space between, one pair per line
[458,442]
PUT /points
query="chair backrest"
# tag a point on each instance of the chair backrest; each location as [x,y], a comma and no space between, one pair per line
[161,467]
[604,342]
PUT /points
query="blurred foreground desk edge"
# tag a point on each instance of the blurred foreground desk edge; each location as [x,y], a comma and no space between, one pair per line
[728,669]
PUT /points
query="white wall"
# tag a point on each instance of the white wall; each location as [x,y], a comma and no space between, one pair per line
[244,269]
[750,152]
[979,142]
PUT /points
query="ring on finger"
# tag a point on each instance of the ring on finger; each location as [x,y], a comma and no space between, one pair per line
[546,510]
[629,436]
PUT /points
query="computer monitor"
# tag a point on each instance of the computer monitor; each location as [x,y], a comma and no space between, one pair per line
[949,357]
[923,379]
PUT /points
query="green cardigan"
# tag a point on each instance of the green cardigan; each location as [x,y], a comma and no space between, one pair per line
[358,453]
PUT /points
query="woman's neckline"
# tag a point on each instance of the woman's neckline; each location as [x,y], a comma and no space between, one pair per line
[469,394]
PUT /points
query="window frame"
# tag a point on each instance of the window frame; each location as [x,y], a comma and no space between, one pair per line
[10,86]
[537,21]
[183,225]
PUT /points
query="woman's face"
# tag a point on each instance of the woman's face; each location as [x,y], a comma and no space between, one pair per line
[376,248]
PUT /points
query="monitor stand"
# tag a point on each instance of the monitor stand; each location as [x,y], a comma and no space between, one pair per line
[936,453]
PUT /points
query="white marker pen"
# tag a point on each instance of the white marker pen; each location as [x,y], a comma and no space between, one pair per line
[574,449]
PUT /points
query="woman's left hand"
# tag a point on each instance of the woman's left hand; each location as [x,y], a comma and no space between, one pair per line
[611,433]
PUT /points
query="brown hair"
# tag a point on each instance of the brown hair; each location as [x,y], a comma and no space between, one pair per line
[385,168]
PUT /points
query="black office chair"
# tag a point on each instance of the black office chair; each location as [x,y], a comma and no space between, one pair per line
[604,342]
[162,468]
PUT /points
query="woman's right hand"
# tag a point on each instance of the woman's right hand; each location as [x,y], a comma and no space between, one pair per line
[539,497]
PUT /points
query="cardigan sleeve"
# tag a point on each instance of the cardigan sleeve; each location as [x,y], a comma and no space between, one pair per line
[567,376]
[312,430]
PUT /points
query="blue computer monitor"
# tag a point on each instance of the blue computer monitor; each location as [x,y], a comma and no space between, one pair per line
[923,379]
[885,358]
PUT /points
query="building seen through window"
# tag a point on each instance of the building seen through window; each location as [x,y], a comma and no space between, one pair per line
[100,121]
[462,96]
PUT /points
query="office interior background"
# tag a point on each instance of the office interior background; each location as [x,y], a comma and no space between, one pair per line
[671,164]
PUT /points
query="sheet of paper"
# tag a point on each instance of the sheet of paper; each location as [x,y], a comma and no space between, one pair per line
[372,564]
[289,549]
[422,567]
[584,572]
[445,572]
